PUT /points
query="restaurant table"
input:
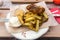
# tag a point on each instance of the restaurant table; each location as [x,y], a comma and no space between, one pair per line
[54,31]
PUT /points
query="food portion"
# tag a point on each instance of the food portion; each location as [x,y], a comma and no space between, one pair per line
[33,18]
[35,9]
[14,22]
[20,13]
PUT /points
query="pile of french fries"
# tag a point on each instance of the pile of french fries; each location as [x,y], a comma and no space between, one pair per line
[31,20]
[34,21]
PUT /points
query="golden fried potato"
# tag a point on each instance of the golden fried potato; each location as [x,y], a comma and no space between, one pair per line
[19,12]
[38,17]
[45,15]
[37,25]
[33,22]
[28,14]
[45,18]
[27,24]
[31,27]
[29,19]
[20,19]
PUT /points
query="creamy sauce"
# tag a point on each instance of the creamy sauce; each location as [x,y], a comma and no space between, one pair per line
[14,22]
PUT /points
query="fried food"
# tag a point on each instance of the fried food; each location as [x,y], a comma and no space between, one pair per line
[35,9]
[45,18]
[20,19]
[35,21]
[33,18]
[45,15]
[37,25]
[20,13]
[28,14]
[29,19]
[38,17]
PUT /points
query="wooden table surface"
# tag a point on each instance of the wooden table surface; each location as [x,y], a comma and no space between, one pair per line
[54,31]
[14,1]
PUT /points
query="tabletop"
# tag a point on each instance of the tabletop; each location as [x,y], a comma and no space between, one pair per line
[54,31]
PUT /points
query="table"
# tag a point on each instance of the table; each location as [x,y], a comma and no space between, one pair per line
[53,32]
[18,1]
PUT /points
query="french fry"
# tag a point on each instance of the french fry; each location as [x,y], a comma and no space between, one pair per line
[27,24]
[19,12]
[31,27]
[44,19]
[28,15]
[33,22]
[38,17]
[29,19]
[37,25]
[45,15]
[20,19]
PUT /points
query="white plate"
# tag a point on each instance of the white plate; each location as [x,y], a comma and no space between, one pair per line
[31,34]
